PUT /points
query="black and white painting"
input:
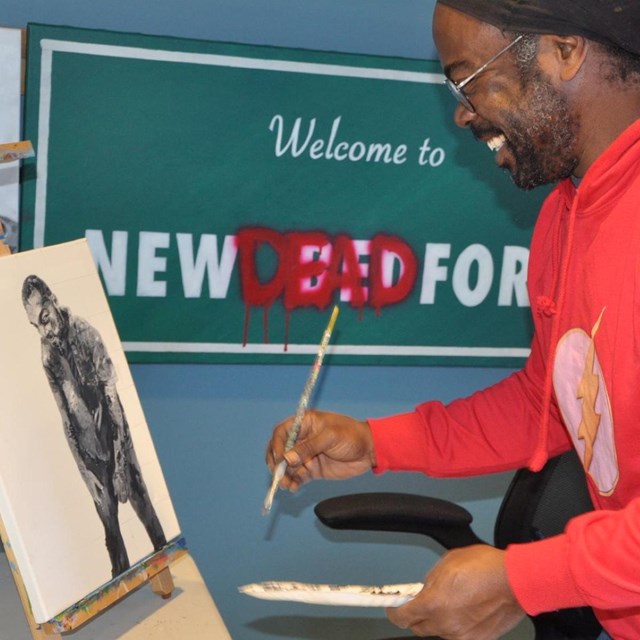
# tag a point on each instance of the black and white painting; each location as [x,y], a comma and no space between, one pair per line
[82,494]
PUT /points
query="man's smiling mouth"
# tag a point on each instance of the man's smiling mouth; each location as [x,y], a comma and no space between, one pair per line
[495,143]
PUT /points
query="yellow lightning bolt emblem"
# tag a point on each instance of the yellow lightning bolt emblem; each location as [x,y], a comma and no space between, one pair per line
[588,392]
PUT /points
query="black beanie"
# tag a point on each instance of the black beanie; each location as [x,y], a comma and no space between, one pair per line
[615,22]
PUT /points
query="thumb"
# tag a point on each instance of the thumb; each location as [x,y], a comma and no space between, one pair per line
[292,457]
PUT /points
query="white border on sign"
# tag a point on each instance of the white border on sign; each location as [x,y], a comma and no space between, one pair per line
[338,350]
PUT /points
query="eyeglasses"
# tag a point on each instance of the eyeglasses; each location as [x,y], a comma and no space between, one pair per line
[456,87]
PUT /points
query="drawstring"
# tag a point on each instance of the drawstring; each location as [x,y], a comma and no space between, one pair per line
[546,305]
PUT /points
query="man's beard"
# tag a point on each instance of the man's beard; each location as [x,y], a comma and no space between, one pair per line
[60,340]
[540,137]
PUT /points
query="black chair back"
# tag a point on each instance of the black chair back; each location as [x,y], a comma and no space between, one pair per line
[539,505]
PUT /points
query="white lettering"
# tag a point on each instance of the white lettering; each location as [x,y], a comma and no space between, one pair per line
[468,295]
[149,264]
[432,271]
[293,138]
[341,152]
[332,137]
[333,148]
[201,257]
[432,157]
[400,154]
[311,253]
[316,149]
[193,270]
[362,249]
[114,268]
[357,151]
[513,279]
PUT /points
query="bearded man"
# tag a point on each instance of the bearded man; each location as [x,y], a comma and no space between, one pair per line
[553,88]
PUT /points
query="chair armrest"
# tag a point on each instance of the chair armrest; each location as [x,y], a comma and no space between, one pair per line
[445,522]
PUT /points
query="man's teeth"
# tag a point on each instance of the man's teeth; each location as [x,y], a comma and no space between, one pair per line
[496,143]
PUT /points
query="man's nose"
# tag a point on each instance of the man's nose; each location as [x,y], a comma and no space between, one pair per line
[462,116]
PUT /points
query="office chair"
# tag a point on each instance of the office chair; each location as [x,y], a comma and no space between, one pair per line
[536,505]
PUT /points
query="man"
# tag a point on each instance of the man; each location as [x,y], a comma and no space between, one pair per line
[83,382]
[553,88]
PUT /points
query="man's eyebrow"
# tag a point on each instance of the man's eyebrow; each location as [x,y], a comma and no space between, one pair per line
[452,67]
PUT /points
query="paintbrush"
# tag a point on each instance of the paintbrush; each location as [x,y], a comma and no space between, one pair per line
[278,472]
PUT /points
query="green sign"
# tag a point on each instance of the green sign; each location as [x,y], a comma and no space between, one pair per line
[231,195]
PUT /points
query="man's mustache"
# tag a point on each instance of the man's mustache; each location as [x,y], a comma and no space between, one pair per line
[484,133]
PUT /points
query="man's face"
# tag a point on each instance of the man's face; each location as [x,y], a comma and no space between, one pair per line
[43,314]
[519,113]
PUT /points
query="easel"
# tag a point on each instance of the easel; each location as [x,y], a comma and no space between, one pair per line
[153,569]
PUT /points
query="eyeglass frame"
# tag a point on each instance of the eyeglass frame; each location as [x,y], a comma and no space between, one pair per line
[456,87]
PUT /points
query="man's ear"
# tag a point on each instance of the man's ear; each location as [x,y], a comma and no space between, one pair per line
[565,54]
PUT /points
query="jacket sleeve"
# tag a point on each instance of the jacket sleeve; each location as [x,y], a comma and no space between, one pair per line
[596,562]
[490,431]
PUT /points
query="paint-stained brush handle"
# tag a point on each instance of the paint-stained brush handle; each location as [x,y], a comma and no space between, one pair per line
[280,469]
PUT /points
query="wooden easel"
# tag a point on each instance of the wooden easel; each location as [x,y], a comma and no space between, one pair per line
[22,592]
[154,569]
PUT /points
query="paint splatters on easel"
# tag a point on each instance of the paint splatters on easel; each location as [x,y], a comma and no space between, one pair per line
[11,151]
[5,249]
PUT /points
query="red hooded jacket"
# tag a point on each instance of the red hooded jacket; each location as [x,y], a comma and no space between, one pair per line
[580,387]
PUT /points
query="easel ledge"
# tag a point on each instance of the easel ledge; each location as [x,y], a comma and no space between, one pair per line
[154,569]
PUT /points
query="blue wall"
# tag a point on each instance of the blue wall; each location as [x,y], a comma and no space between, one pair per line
[210,423]
[380,27]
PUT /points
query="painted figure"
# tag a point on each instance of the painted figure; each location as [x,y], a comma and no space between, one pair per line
[83,382]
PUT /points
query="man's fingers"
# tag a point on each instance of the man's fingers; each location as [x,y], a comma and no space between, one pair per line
[400,619]
[293,458]
[307,449]
[275,447]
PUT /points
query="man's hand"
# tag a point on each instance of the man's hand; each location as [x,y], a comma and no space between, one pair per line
[466,597]
[329,445]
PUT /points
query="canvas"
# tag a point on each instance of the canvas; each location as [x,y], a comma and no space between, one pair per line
[82,494]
